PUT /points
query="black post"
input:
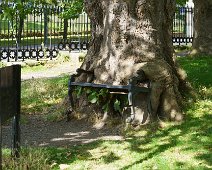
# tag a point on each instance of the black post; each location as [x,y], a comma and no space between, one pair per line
[0,129]
[0,144]
[16,119]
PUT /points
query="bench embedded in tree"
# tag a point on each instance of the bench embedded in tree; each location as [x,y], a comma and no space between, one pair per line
[131,89]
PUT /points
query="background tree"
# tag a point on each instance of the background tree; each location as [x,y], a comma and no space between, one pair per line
[133,35]
[202,42]
[72,10]
[15,9]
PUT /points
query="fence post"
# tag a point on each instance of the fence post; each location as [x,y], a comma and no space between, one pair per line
[45,13]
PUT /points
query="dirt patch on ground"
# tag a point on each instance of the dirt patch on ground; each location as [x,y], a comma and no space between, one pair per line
[37,132]
[55,71]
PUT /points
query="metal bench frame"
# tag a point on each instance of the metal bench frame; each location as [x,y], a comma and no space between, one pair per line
[131,90]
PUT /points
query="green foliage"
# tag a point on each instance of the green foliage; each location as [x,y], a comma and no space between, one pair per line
[72,9]
[102,97]
[78,91]
[181,2]
[93,97]
[117,105]
[31,158]
[21,8]
[16,8]
[2,64]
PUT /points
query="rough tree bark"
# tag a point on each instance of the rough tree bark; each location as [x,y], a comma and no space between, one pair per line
[202,27]
[133,35]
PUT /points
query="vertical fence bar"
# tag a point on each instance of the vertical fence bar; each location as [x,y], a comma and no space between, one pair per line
[192,23]
[87,27]
[45,13]
[37,32]
[12,34]
[16,35]
[71,33]
[27,33]
[84,30]
[41,26]
[51,26]
[22,37]
[55,9]
[185,25]
[4,33]
[1,37]
[8,40]
[34,55]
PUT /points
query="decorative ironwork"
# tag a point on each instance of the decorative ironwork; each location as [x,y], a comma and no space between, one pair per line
[43,30]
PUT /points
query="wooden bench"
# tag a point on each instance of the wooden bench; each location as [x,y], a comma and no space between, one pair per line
[131,89]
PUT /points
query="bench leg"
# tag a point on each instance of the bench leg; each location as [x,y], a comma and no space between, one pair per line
[131,104]
[16,136]
[70,91]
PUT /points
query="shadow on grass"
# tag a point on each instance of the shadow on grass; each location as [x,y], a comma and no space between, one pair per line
[78,153]
[198,130]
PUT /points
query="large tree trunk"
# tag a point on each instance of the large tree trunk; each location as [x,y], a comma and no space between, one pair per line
[133,35]
[202,27]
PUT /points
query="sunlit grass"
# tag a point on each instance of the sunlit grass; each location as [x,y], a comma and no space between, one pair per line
[28,69]
[198,69]
[30,158]
[39,95]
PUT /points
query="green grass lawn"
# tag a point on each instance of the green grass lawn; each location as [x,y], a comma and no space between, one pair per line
[176,146]
[41,95]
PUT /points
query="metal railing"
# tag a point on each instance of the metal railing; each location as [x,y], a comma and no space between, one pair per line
[43,32]
[183,24]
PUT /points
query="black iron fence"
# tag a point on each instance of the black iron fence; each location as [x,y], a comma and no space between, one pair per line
[183,26]
[43,32]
